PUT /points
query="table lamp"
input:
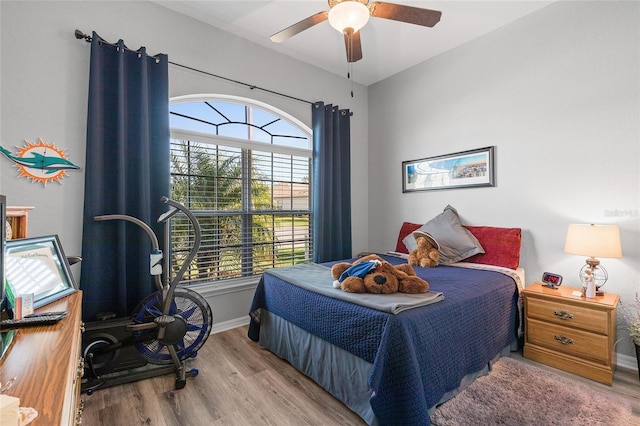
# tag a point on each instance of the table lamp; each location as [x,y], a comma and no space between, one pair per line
[594,241]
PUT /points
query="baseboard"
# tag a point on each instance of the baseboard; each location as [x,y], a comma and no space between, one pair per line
[626,361]
[228,325]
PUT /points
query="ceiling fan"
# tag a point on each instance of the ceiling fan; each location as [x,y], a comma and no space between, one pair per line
[349,16]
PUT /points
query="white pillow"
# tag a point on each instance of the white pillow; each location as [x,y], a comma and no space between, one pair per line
[456,242]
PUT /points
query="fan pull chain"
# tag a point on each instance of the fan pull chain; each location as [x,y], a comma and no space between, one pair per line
[350,75]
[350,64]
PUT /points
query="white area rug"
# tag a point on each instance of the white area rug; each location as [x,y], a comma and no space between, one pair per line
[515,393]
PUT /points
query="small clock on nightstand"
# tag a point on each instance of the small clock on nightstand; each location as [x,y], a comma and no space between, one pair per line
[552,280]
[571,332]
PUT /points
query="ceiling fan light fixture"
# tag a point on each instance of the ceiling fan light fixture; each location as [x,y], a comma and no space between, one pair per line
[348,14]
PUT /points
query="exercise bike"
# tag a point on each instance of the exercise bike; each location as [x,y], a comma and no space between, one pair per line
[168,327]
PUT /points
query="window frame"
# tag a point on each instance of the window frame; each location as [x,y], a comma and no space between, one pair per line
[246,146]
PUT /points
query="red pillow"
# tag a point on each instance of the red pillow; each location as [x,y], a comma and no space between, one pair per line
[501,246]
[407,228]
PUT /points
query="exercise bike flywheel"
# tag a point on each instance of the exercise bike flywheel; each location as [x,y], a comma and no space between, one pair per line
[187,333]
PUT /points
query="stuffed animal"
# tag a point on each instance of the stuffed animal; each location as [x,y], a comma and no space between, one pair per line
[427,253]
[372,274]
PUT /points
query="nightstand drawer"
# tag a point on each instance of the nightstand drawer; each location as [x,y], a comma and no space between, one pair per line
[562,313]
[568,340]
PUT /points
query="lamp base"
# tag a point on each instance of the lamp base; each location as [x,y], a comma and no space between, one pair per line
[598,274]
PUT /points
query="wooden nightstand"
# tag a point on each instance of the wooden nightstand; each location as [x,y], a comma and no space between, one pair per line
[569,332]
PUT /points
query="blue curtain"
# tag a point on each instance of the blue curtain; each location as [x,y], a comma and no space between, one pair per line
[331,182]
[126,172]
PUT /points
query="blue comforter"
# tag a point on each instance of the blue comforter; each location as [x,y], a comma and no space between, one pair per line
[417,355]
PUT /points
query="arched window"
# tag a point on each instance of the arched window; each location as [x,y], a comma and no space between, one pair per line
[244,169]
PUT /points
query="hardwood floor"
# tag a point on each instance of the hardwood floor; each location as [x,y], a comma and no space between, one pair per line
[240,384]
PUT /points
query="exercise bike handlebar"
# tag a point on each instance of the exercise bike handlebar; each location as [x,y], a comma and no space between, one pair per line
[167,215]
[154,240]
[147,229]
[194,250]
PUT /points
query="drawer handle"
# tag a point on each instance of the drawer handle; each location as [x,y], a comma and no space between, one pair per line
[80,369]
[79,411]
[563,315]
[563,340]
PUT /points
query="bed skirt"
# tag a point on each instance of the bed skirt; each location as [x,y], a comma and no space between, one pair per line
[329,365]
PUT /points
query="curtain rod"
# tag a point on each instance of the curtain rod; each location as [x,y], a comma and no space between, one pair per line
[80,35]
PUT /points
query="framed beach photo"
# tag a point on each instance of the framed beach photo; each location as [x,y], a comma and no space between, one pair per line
[38,266]
[473,168]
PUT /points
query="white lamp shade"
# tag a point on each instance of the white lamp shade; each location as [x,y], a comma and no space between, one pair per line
[348,14]
[593,240]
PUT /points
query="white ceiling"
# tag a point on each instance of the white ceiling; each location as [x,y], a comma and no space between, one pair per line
[388,47]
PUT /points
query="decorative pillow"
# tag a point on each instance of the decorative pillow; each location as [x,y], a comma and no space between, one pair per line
[406,229]
[456,242]
[502,246]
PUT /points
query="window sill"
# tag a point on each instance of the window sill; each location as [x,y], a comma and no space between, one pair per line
[232,286]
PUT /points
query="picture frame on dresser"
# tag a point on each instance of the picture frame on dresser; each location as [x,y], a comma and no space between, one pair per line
[39,266]
[472,168]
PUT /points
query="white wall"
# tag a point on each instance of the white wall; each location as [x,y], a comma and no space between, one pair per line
[44,85]
[557,93]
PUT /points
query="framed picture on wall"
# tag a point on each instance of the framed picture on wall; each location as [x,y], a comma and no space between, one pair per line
[473,168]
[39,266]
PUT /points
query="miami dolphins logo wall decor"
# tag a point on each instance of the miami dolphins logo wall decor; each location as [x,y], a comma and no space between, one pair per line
[40,162]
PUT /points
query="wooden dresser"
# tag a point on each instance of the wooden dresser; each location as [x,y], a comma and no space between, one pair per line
[47,365]
[570,332]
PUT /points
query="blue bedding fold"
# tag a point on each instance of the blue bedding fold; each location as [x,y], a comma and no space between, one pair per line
[419,354]
[317,278]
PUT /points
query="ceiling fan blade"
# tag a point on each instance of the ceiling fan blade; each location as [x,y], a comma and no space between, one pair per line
[296,28]
[402,13]
[352,45]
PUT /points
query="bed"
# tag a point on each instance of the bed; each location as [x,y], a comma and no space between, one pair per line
[393,367]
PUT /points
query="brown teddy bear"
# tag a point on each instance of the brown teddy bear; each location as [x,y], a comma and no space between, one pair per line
[372,274]
[427,253]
